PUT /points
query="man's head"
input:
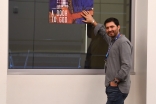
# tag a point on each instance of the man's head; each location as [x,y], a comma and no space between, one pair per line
[112,27]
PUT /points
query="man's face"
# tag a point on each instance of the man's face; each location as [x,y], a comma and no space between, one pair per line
[112,30]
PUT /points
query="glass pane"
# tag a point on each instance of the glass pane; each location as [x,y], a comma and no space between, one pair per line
[21,34]
[34,43]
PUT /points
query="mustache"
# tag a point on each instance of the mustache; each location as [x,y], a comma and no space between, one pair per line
[110,32]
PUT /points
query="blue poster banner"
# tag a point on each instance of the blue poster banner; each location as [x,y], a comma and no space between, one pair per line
[68,11]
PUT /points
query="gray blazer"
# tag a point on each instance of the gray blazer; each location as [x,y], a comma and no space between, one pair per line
[119,61]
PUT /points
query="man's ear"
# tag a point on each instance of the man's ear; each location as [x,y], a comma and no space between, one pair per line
[119,27]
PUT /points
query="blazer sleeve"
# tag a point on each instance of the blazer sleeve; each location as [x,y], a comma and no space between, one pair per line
[126,60]
[100,29]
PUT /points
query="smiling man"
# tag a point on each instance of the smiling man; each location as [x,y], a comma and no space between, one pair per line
[112,27]
[118,59]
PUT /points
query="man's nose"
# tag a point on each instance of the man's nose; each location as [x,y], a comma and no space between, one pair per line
[109,29]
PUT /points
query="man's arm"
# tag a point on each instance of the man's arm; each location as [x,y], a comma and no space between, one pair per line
[99,28]
[126,61]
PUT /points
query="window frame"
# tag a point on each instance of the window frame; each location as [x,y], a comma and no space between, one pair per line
[78,71]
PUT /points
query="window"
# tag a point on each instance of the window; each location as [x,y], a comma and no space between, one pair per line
[34,43]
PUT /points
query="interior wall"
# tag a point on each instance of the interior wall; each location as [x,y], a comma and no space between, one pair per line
[59,89]
[151,53]
[3,49]
[140,49]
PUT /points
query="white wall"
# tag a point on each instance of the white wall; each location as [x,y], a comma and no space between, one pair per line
[58,89]
[151,53]
[140,49]
[3,49]
[145,51]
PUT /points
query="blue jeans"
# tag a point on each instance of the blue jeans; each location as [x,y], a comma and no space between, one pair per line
[115,96]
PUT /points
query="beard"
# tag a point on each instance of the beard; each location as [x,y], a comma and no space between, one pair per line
[112,34]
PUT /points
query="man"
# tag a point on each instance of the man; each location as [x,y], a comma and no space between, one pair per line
[118,58]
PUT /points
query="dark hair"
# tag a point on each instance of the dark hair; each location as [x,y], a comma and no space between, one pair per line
[112,19]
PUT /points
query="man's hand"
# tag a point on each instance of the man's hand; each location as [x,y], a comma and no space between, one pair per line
[113,84]
[88,17]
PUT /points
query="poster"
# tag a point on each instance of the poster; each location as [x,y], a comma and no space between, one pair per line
[68,11]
